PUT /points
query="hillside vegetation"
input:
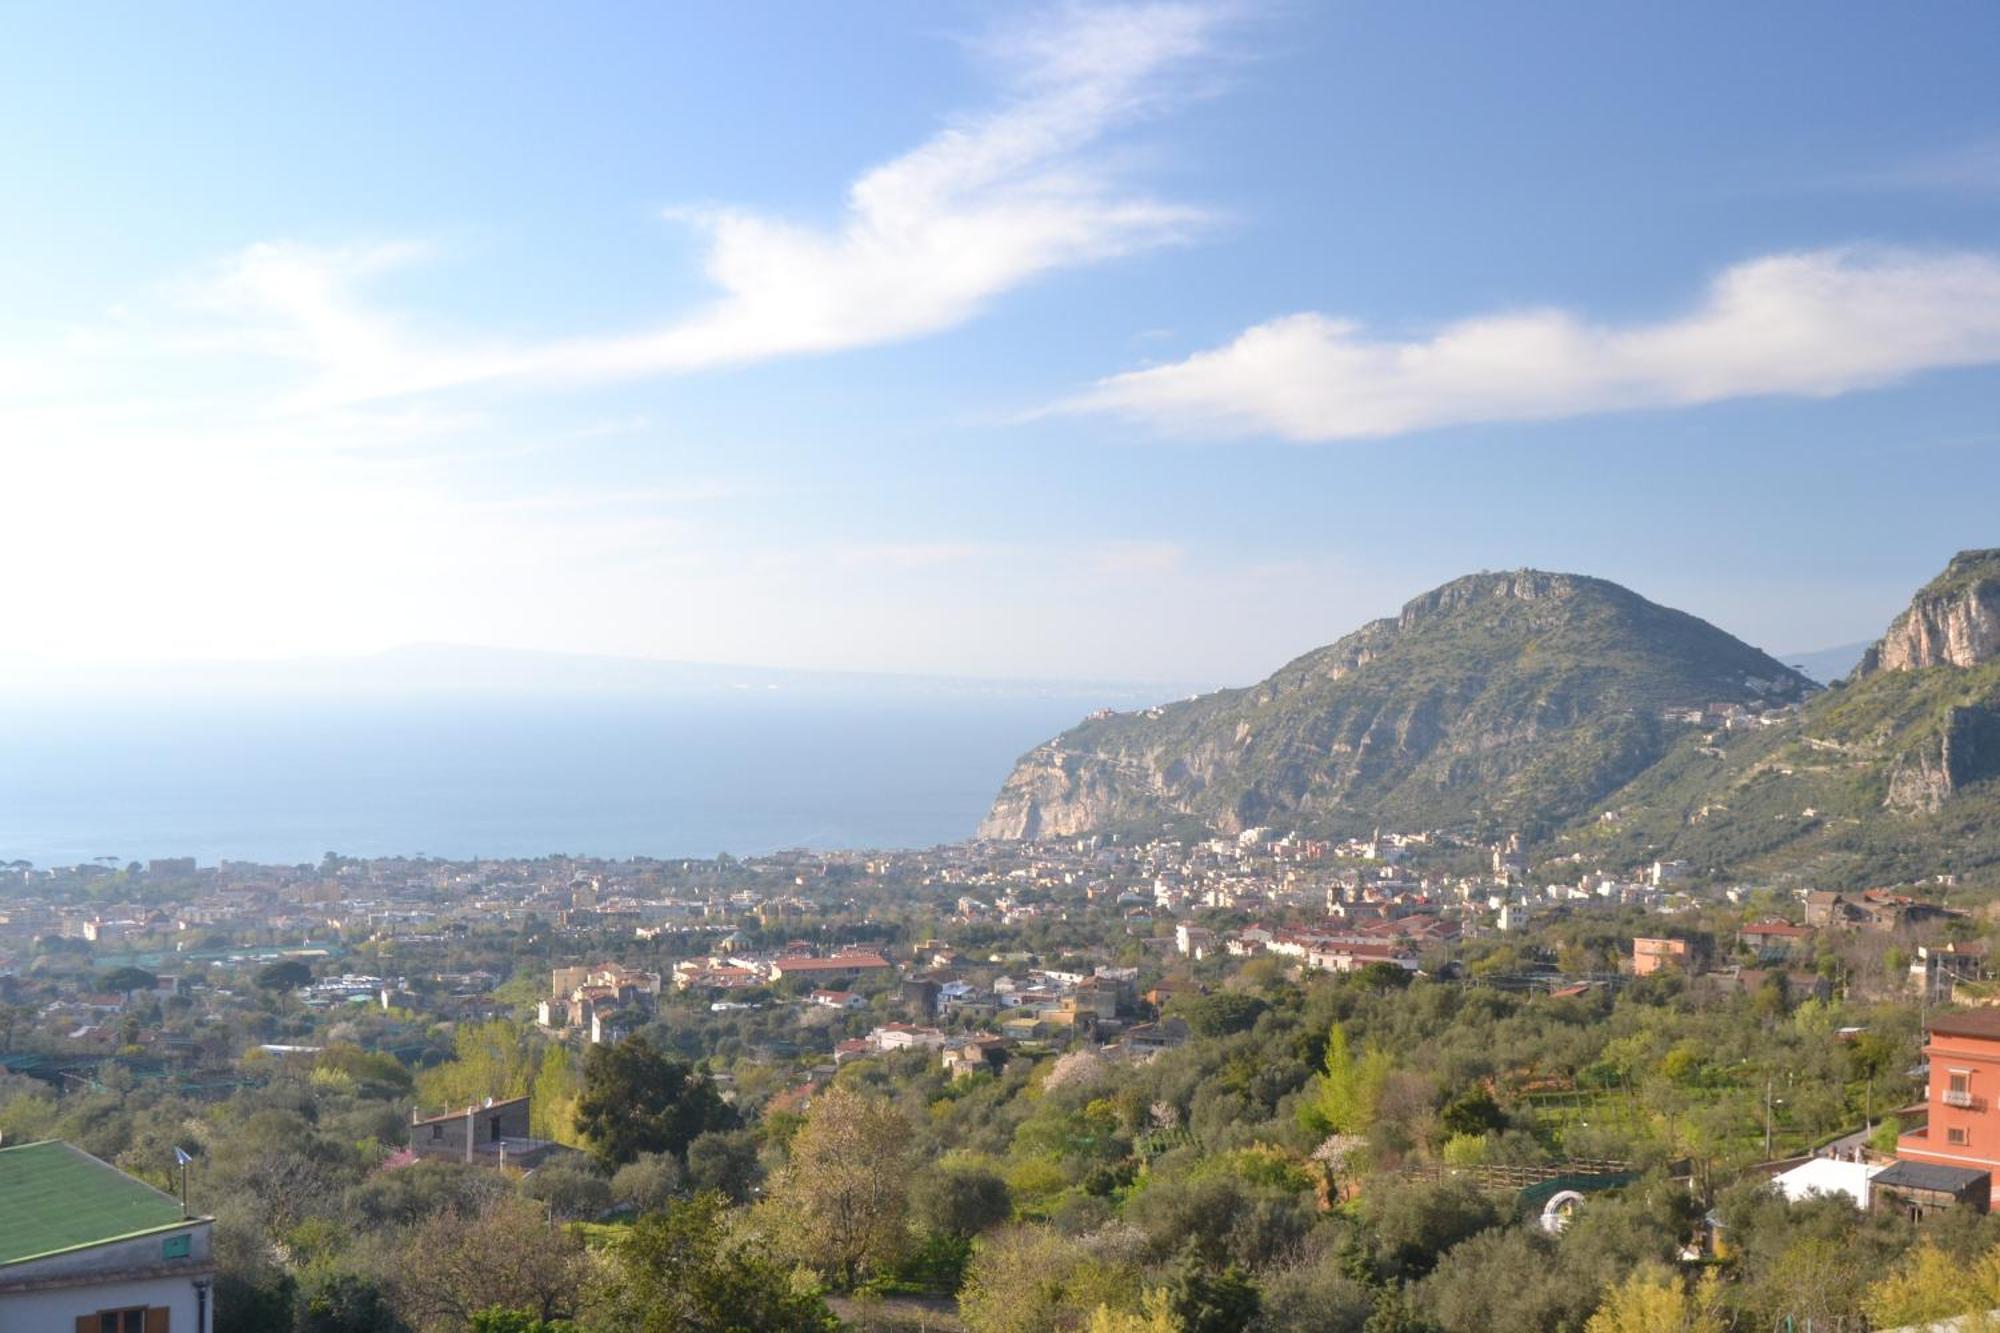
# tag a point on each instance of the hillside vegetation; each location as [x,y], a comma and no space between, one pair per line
[1542,703]
[1498,701]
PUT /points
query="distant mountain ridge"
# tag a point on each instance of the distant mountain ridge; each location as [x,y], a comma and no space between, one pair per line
[458,668]
[1826,665]
[1499,700]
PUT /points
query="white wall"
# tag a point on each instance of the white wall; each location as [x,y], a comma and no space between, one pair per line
[56,1311]
[139,1252]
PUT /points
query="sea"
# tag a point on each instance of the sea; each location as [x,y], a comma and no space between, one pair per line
[284,780]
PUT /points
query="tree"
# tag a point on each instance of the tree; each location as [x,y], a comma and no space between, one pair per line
[1206,1301]
[680,1272]
[1869,1056]
[1474,1113]
[552,1104]
[1316,1292]
[490,1059]
[1504,1280]
[412,1193]
[1929,1286]
[1031,1279]
[1222,1216]
[572,1191]
[1347,1090]
[344,1303]
[125,980]
[843,1192]
[507,1255]
[1223,1013]
[637,1099]
[288,975]
[1416,1221]
[647,1182]
[1155,1315]
[1653,1300]
[499,1320]
[1385,977]
[724,1161]
[959,1200]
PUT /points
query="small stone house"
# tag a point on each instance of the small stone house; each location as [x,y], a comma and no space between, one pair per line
[493,1134]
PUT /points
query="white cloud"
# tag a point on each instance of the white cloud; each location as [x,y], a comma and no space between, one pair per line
[259,458]
[923,242]
[1812,324]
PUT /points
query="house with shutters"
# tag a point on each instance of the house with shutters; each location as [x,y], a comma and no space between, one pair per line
[85,1247]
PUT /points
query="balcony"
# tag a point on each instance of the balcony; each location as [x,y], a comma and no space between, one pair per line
[1953,1097]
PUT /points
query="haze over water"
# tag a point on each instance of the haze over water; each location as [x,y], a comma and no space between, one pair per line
[284,780]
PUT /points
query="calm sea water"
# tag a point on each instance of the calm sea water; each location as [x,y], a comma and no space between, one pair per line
[284,781]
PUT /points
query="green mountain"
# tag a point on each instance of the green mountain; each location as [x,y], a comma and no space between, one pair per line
[1892,776]
[1496,702]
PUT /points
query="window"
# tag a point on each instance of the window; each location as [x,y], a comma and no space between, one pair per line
[1955,1136]
[1961,1080]
[119,1321]
[437,1132]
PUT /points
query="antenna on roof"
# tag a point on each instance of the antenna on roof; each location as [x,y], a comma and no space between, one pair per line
[181,1159]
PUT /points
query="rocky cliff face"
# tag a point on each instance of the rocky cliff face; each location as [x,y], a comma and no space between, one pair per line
[1964,750]
[1513,699]
[1953,621]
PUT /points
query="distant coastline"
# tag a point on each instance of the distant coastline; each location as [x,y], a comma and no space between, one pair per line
[284,780]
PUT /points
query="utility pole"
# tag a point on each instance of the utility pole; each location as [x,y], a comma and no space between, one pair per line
[1767,1117]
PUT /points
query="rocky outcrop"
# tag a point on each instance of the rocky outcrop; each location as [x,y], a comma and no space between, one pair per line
[1954,621]
[1965,750]
[1052,793]
[1514,698]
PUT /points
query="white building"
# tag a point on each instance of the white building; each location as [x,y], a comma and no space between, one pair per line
[1829,1176]
[85,1246]
[1194,941]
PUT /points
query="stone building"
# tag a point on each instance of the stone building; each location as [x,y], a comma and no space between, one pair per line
[493,1134]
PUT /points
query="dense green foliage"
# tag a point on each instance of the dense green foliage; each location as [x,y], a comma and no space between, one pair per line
[1326,1152]
[637,1099]
[1854,791]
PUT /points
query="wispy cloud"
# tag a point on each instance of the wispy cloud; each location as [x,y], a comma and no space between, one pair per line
[922,243]
[1813,324]
[1972,168]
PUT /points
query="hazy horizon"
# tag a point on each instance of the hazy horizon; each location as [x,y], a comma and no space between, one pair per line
[487,667]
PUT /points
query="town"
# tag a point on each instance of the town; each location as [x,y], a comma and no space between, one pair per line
[451,990]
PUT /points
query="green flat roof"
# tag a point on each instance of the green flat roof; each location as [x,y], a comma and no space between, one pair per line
[55,1197]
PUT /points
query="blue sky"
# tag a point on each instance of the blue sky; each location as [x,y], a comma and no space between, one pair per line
[1143,342]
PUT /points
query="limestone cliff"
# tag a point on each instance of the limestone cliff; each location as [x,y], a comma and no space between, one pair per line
[1512,699]
[1891,777]
[1953,621]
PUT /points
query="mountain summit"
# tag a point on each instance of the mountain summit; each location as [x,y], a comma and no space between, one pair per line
[1501,700]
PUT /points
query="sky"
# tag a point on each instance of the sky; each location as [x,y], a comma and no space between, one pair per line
[1137,342]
